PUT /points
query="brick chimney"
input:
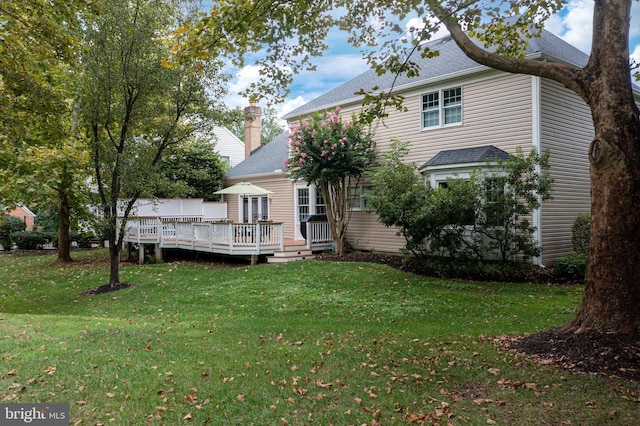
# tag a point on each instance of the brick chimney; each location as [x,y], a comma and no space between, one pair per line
[252,128]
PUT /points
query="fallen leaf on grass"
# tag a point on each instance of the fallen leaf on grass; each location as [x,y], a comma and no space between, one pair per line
[240,398]
[323,385]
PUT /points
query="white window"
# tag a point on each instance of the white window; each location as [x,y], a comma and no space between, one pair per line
[442,108]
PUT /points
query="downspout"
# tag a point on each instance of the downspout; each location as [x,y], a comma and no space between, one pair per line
[536,143]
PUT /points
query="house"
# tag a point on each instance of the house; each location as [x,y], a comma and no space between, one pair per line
[230,148]
[457,112]
[22,212]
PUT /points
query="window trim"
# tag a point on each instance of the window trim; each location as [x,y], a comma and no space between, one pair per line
[441,108]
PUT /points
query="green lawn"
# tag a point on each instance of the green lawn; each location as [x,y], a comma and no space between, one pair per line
[305,343]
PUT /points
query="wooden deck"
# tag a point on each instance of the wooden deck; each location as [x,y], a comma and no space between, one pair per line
[234,239]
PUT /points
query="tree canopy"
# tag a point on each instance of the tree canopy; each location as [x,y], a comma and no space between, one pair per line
[135,107]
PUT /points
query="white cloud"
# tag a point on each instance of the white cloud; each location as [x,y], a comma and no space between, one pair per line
[416,24]
[635,54]
[574,25]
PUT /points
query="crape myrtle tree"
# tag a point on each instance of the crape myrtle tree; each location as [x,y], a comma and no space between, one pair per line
[295,31]
[331,154]
[136,104]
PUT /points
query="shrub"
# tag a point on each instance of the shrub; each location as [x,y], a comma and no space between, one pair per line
[580,233]
[9,225]
[572,265]
[31,240]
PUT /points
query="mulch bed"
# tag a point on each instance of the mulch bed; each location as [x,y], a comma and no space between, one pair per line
[106,288]
[609,355]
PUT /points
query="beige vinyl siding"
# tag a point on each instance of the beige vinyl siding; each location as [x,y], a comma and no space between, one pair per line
[495,111]
[281,202]
[566,129]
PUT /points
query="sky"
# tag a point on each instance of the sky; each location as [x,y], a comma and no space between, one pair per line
[342,62]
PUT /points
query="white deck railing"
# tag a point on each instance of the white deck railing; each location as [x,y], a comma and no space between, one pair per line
[216,237]
[318,233]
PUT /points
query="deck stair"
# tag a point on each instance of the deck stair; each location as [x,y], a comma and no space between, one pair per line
[296,250]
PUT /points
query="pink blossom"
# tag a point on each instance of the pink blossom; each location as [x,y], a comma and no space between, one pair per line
[344,126]
[329,158]
[305,124]
[303,155]
[297,143]
[336,119]
[325,142]
[302,161]
[323,154]
[338,109]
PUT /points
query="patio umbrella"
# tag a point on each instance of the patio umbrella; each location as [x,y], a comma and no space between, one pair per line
[244,188]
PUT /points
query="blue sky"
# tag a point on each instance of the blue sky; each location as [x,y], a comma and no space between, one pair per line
[343,62]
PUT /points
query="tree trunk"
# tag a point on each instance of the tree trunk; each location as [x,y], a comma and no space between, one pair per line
[611,301]
[64,224]
[336,202]
[114,252]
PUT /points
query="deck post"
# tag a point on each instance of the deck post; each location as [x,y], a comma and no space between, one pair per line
[258,237]
[158,253]
[141,254]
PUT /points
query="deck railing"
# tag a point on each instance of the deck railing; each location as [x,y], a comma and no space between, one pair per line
[318,233]
[217,237]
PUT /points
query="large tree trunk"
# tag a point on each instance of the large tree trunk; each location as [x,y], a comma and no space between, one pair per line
[611,302]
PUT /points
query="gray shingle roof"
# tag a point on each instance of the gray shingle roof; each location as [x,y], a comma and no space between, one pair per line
[476,154]
[266,159]
[451,60]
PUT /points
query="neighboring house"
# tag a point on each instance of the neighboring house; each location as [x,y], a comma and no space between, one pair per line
[23,212]
[459,114]
[230,148]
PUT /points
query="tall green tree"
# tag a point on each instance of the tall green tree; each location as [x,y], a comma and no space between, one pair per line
[333,155]
[39,153]
[295,31]
[191,171]
[135,106]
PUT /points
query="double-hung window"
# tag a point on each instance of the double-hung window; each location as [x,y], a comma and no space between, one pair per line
[442,108]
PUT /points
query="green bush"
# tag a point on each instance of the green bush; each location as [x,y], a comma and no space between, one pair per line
[31,240]
[572,265]
[580,233]
[9,225]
